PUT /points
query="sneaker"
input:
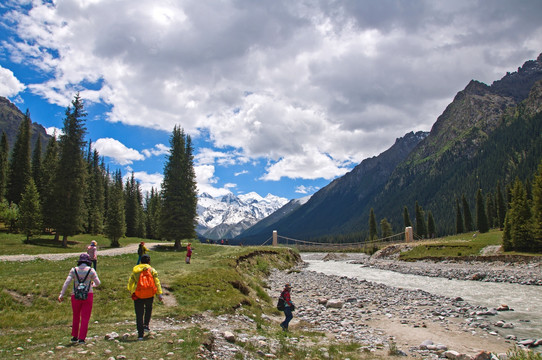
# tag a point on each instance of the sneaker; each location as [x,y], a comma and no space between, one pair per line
[81,341]
[146,328]
[74,339]
[140,339]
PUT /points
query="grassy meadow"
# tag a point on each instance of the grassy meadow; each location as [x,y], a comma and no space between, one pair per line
[458,246]
[220,279]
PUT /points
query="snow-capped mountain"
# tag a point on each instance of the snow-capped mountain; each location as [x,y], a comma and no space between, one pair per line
[229,215]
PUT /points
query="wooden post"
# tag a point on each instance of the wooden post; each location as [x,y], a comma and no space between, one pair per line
[275,238]
[409,234]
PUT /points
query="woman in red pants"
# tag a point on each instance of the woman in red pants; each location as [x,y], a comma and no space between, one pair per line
[84,279]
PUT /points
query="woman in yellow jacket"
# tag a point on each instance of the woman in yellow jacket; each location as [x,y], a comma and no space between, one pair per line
[143,291]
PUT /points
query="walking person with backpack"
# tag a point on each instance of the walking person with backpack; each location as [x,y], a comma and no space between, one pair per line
[143,285]
[92,251]
[141,250]
[84,279]
[288,306]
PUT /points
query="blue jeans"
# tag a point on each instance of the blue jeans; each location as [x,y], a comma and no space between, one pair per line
[289,316]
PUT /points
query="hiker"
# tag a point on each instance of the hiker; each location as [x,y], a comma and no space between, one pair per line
[288,306]
[84,280]
[188,252]
[143,285]
[92,251]
[141,250]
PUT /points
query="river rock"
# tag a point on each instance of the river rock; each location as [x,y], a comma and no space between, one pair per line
[483,355]
[335,303]
[229,336]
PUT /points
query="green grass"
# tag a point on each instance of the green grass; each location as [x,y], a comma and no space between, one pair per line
[14,244]
[456,246]
[223,279]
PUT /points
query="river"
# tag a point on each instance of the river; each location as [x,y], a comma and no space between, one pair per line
[525,300]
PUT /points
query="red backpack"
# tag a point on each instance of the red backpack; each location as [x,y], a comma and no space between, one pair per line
[146,288]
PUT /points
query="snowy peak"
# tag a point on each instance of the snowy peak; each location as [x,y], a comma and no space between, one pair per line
[229,215]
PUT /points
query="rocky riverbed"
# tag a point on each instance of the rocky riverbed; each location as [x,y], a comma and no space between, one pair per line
[525,271]
[415,322]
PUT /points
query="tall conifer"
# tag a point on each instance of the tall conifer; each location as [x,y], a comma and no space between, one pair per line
[431,227]
[537,211]
[179,200]
[70,182]
[36,165]
[467,216]
[421,227]
[372,225]
[48,171]
[30,211]
[406,218]
[481,216]
[115,223]
[459,229]
[4,161]
[19,166]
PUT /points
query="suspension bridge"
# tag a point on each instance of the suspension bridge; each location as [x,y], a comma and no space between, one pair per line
[276,239]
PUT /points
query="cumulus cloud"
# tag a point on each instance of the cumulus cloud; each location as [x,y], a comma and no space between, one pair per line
[311,87]
[9,84]
[146,181]
[302,189]
[52,130]
[159,149]
[117,151]
[206,180]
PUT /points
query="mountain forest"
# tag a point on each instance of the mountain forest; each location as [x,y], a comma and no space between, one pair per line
[66,188]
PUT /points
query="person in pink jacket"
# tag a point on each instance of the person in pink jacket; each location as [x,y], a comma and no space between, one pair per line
[92,251]
[81,309]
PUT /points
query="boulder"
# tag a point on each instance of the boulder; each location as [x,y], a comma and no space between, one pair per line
[335,303]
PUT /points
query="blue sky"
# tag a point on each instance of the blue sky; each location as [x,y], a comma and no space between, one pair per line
[279,97]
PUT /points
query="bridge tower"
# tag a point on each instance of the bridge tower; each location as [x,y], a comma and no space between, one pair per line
[275,238]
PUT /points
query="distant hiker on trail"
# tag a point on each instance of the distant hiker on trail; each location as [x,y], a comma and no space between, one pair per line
[188,252]
[141,250]
[143,285]
[92,251]
[288,307]
[84,279]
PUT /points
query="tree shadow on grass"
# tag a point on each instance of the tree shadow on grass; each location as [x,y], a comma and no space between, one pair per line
[48,242]
[168,248]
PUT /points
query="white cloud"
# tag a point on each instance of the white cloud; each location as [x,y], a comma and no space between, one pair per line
[241,173]
[9,84]
[312,88]
[159,149]
[117,151]
[54,131]
[302,189]
[146,180]
[206,180]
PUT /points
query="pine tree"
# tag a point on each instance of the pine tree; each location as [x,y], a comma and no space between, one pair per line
[131,206]
[431,227]
[421,228]
[19,166]
[537,211]
[115,223]
[152,214]
[372,225]
[467,216]
[141,230]
[179,191]
[459,229]
[96,195]
[481,216]
[9,214]
[518,230]
[385,228]
[4,161]
[406,218]
[30,211]
[70,181]
[36,165]
[501,207]
[490,210]
[48,171]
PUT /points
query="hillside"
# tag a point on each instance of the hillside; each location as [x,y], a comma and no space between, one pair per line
[487,134]
[10,120]
[330,209]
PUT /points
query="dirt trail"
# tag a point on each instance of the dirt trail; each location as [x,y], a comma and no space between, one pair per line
[128,249]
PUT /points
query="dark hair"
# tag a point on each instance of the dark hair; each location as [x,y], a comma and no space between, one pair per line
[84,259]
[145,259]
